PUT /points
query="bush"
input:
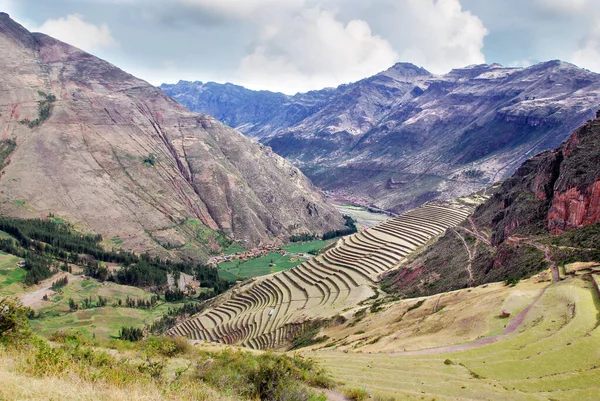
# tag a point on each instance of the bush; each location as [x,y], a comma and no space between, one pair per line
[266,376]
[356,394]
[14,324]
[165,346]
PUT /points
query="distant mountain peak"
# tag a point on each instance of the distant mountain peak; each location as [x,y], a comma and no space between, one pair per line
[405,70]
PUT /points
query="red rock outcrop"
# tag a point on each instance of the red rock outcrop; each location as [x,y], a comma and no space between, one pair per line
[575,208]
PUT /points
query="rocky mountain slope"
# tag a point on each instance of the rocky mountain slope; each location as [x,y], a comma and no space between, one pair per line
[405,136]
[546,214]
[91,144]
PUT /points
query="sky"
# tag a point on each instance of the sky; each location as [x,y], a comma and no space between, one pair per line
[294,46]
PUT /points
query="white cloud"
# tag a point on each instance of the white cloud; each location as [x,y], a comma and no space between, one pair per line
[244,9]
[560,7]
[437,34]
[588,54]
[74,30]
[312,50]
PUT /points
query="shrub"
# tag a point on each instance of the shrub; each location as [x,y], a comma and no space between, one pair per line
[266,376]
[356,394]
[13,320]
[165,346]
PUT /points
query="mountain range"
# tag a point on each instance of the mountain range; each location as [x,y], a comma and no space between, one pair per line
[405,136]
[85,142]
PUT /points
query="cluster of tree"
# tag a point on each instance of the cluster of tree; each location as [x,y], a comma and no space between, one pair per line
[7,146]
[87,303]
[303,237]
[131,334]
[174,295]
[45,242]
[473,173]
[350,229]
[44,110]
[60,283]
[139,303]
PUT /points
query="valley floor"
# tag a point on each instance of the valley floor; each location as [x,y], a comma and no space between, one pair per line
[553,355]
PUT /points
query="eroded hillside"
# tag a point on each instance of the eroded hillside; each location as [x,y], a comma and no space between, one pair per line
[89,143]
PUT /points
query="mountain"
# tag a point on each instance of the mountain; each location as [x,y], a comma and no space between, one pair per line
[406,136]
[547,214]
[88,143]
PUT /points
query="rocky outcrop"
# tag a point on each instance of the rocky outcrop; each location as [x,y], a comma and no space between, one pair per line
[407,125]
[575,209]
[553,198]
[116,156]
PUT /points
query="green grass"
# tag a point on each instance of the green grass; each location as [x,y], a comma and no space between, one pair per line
[306,247]
[11,276]
[554,355]
[102,322]
[258,267]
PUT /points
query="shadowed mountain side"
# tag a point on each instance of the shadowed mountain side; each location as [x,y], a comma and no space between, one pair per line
[103,149]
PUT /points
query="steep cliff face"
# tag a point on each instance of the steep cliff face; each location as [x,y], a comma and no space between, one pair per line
[109,152]
[549,206]
[405,136]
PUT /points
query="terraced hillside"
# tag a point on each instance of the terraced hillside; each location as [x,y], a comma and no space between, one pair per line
[269,311]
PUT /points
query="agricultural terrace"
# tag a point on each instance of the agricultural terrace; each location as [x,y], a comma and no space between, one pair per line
[269,311]
[553,355]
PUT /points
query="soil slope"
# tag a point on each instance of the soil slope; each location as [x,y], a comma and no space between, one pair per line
[102,149]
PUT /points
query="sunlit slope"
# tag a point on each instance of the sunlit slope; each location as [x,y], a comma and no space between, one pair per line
[269,311]
[554,355]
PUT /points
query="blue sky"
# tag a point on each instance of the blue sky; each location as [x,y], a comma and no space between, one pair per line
[299,45]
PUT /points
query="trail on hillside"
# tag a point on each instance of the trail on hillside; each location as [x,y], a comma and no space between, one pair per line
[545,249]
[470,254]
[511,327]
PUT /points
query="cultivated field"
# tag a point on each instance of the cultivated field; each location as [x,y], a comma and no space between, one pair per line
[272,263]
[11,276]
[269,311]
[553,355]
[102,322]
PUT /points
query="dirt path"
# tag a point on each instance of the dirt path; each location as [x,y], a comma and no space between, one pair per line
[35,297]
[469,253]
[553,267]
[511,327]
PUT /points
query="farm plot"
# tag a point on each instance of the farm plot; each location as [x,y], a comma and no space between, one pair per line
[266,312]
[272,263]
[554,354]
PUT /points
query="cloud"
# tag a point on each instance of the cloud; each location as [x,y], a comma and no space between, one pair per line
[244,9]
[588,54]
[73,29]
[311,50]
[560,7]
[436,34]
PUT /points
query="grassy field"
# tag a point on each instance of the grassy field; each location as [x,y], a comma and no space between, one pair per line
[102,322]
[306,247]
[554,355]
[238,269]
[11,276]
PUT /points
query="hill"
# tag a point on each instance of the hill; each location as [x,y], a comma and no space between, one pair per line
[86,142]
[285,307]
[545,215]
[405,136]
